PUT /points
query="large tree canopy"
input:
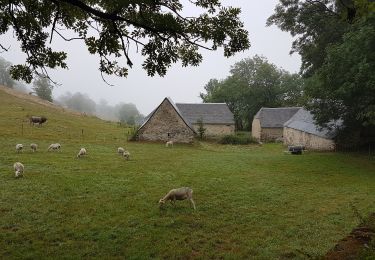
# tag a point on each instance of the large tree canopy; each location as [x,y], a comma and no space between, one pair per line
[344,87]
[114,29]
[254,83]
[335,39]
[316,24]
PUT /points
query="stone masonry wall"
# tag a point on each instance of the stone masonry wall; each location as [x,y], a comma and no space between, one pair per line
[166,125]
[271,134]
[255,129]
[310,141]
[216,129]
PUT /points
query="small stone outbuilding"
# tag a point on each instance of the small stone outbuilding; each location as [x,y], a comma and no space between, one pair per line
[268,123]
[216,117]
[302,130]
[178,122]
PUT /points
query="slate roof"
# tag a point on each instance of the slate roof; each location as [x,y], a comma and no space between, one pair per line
[303,120]
[210,113]
[275,117]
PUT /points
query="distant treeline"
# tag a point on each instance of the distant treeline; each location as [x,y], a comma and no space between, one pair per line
[6,79]
[126,113]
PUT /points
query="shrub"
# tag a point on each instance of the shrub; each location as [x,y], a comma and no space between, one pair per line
[133,133]
[238,139]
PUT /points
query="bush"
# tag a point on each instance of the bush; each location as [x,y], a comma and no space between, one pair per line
[238,139]
[133,133]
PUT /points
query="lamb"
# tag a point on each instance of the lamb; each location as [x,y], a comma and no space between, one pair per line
[81,152]
[126,155]
[19,148]
[19,168]
[120,150]
[178,194]
[54,147]
[169,143]
[33,147]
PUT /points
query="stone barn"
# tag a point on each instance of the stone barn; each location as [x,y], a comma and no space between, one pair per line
[178,122]
[217,118]
[302,130]
[268,123]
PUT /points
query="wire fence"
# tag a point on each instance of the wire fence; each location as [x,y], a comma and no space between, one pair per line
[81,134]
[364,149]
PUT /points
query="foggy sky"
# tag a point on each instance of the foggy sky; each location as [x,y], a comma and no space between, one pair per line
[181,84]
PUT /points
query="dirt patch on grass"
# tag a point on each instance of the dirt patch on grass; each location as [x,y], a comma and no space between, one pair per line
[351,246]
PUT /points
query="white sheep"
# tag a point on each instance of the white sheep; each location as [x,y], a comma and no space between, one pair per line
[169,143]
[18,168]
[81,152]
[19,148]
[33,147]
[54,147]
[120,150]
[126,155]
[178,194]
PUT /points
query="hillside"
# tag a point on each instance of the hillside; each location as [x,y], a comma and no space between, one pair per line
[253,202]
[17,107]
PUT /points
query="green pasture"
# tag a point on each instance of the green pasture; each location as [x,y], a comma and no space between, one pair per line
[253,202]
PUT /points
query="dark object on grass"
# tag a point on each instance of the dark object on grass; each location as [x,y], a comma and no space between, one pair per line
[296,149]
[37,120]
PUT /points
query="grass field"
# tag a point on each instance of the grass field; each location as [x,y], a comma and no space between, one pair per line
[252,201]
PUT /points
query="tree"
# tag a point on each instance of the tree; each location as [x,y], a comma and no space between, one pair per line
[5,78]
[78,102]
[344,87]
[201,129]
[336,42]
[115,29]
[314,25]
[254,83]
[128,113]
[43,88]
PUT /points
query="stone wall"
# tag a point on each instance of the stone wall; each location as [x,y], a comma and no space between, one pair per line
[271,134]
[310,141]
[164,125]
[216,129]
[265,134]
[256,129]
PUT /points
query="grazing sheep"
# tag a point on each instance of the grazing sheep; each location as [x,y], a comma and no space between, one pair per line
[126,155]
[178,194]
[19,148]
[81,152]
[54,147]
[34,147]
[120,150]
[169,143]
[18,168]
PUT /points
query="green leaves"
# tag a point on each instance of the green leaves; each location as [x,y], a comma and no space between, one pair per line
[344,87]
[115,30]
[43,88]
[336,42]
[254,83]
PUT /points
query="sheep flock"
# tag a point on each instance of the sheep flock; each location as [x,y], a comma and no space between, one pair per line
[183,193]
